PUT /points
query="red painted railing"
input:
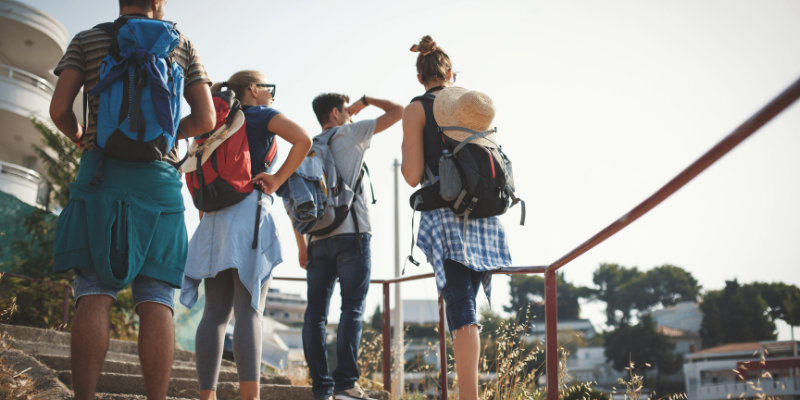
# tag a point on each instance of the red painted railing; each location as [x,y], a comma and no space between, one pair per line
[67,293]
[759,119]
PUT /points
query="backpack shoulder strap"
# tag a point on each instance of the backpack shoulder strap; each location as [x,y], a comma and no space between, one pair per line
[108,27]
[111,28]
[428,97]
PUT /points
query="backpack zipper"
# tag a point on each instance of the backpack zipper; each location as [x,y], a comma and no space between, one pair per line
[130,93]
[491,160]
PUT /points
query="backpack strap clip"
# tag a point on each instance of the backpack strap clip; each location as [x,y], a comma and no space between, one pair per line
[476,135]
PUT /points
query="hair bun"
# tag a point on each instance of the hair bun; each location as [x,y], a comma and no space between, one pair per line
[426,46]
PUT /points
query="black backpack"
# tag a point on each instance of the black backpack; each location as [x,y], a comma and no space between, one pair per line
[474,181]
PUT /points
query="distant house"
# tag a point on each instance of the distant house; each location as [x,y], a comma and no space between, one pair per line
[582,326]
[722,372]
[685,316]
[681,325]
[287,308]
[589,364]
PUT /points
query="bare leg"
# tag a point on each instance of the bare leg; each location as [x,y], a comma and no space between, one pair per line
[89,343]
[210,394]
[156,347]
[249,390]
[467,350]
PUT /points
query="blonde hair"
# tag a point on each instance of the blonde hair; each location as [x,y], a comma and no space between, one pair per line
[239,82]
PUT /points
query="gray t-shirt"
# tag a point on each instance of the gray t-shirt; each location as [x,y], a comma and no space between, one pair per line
[348,146]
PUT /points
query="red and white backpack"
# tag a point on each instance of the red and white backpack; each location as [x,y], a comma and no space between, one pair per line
[219,164]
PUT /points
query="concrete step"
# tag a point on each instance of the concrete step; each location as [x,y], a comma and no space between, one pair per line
[111,382]
[62,363]
[40,351]
[116,396]
[62,340]
[230,391]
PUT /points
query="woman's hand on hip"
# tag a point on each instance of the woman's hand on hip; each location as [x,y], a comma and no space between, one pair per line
[269,184]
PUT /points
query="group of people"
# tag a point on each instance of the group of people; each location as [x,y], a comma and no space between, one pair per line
[142,201]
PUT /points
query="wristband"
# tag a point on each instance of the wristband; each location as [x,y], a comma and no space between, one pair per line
[364,100]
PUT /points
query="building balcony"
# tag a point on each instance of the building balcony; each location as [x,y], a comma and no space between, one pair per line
[32,40]
[22,95]
[784,388]
[22,183]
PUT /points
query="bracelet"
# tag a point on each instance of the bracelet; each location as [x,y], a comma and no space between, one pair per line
[364,100]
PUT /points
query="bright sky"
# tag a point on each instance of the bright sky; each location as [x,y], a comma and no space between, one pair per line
[597,106]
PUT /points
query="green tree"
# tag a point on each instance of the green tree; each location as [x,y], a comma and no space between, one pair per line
[377,320]
[61,168]
[735,314]
[527,294]
[642,344]
[671,285]
[783,301]
[627,289]
[614,289]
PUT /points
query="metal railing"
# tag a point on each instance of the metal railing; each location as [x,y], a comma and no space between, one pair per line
[27,78]
[67,293]
[750,126]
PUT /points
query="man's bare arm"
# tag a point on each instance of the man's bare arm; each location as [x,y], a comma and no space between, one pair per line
[393,112]
[203,118]
[67,88]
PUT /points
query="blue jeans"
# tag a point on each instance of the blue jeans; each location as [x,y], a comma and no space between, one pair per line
[144,288]
[346,257]
[459,293]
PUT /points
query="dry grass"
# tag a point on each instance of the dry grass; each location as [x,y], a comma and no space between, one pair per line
[515,366]
[13,385]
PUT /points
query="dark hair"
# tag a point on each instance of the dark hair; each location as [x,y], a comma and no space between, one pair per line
[432,62]
[326,102]
[143,4]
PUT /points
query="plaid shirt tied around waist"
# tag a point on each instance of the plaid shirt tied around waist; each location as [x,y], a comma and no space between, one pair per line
[442,237]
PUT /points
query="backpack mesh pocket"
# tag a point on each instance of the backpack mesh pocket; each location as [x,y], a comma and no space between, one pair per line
[448,176]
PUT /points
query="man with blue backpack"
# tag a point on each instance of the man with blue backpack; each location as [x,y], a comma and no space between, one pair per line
[339,241]
[124,221]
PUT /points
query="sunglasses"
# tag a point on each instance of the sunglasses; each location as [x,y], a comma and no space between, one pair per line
[270,86]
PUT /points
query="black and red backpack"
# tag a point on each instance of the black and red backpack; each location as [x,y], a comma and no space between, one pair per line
[223,179]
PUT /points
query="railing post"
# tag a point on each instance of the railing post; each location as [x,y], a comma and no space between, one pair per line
[387,341]
[65,310]
[551,334]
[442,348]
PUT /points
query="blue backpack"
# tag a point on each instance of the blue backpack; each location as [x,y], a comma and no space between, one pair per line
[140,91]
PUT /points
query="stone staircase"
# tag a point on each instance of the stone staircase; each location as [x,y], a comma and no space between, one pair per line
[121,376]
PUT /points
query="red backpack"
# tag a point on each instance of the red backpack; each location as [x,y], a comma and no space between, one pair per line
[222,178]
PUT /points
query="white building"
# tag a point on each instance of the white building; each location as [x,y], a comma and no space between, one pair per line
[717,373]
[582,326]
[287,308]
[685,316]
[31,45]
[589,364]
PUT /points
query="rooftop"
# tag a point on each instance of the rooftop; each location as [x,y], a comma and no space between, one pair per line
[747,347]
[674,332]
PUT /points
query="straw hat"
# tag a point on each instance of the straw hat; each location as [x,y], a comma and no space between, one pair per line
[456,106]
[215,140]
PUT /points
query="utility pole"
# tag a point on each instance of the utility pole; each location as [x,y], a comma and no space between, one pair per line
[399,370]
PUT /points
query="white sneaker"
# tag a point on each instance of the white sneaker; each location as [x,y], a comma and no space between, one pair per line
[352,394]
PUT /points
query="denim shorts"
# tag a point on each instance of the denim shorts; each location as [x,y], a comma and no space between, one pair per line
[144,288]
[459,293]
